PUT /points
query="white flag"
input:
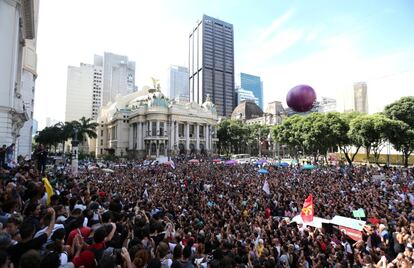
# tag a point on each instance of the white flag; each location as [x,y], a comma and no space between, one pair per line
[266,187]
[145,194]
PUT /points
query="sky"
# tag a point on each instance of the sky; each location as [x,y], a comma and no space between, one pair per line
[326,44]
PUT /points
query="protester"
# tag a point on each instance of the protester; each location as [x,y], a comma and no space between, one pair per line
[203,215]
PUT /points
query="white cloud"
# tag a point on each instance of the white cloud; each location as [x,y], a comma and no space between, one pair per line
[279,21]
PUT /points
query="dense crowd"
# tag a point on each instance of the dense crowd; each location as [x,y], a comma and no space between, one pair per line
[202,215]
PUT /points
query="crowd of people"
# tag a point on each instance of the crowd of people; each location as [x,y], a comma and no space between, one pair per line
[202,215]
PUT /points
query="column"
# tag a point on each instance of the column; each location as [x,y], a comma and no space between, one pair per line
[158,133]
[131,136]
[207,138]
[177,137]
[187,136]
[171,134]
[197,137]
[139,136]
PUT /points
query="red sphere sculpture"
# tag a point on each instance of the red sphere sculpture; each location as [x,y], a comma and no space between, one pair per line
[301,98]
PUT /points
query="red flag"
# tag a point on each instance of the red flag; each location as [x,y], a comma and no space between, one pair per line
[307,210]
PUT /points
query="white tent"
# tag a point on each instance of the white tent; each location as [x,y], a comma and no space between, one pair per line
[348,222]
[317,222]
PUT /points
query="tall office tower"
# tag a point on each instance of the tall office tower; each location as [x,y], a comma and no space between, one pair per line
[360,97]
[118,76]
[79,92]
[18,25]
[253,84]
[211,64]
[244,95]
[177,83]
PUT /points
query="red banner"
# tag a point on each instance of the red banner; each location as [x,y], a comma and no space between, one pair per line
[351,233]
[307,210]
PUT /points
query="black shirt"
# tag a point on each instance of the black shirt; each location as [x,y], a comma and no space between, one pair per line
[19,249]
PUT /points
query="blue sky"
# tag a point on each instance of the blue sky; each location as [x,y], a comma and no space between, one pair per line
[327,44]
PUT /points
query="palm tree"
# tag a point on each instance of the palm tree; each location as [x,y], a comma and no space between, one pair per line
[86,128]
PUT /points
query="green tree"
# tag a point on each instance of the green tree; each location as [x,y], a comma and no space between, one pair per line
[224,136]
[372,131]
[85,128]
[340,125]
[403,110]
[289,133]
[401,136]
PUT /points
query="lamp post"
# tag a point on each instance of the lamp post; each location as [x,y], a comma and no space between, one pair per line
[75,143]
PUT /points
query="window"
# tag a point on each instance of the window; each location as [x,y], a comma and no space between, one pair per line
[192,131]
[101,142]
[201,131]
[153,128]
[181,130]
[101,133]
[161,128]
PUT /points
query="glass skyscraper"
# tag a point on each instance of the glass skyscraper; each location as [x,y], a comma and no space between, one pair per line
[254,84]
[211,64]
[177,82]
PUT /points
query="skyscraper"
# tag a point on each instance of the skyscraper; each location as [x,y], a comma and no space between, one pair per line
[211,64]
[243,95]
[177,82]
[89,86]
[254,84]
[360,97]
[79,92]
[118,76]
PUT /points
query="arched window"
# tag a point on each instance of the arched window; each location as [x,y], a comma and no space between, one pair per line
[153,148]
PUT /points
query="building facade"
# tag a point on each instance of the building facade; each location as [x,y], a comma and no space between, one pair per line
[211,64]
[147,124]
[243,95]
[177,83]
[79,92]
[253,84]
[18,23]
[118,76]
[361,97]
[327,105]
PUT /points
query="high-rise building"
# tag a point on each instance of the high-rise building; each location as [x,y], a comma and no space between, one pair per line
[243,95]
[254,84]
[18,25]
[118,76]
[79,92]
[327,105]
[211,64]
[177,83]
[361,97]
[89,86]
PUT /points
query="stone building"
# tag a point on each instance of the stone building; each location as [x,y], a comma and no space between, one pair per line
[146,123]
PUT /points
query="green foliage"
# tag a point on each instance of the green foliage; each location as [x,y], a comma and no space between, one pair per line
[236,137]
[372,131]
[403,110]
[61,132]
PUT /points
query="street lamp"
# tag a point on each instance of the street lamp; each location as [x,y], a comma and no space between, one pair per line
[75,150]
